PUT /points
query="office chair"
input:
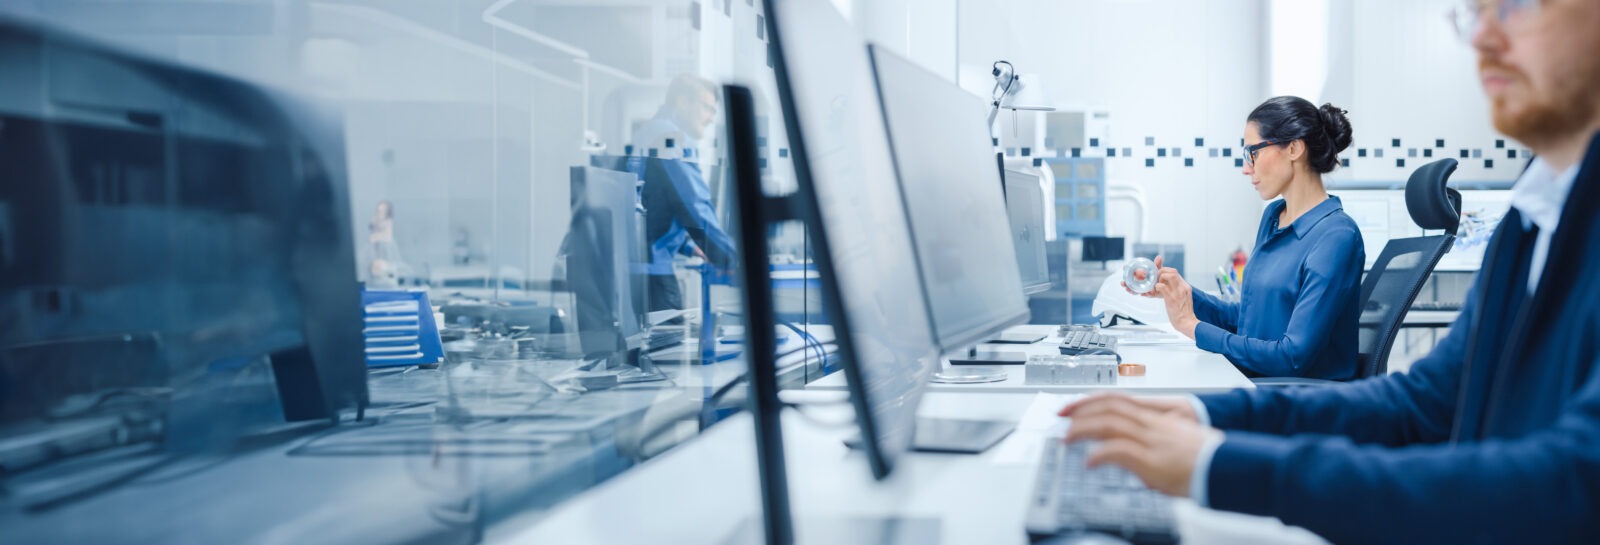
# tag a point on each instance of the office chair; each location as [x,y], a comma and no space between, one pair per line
[1399,272]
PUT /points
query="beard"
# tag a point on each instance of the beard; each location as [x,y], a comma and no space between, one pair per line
[1568,105]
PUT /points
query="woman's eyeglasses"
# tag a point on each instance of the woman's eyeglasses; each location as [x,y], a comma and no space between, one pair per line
[1251,151]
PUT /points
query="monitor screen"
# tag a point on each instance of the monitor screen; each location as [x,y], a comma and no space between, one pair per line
[603,252]
[1103,248]
[1025,207]
[955,202]
[158,238]
[842,164]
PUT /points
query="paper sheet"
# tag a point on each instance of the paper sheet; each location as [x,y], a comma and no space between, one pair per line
[1038,424]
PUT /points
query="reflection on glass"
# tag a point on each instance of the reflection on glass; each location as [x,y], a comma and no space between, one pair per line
[480,165]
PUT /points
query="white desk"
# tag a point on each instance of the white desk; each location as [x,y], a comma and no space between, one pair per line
[1429,318]
[703,490]
[1170,368]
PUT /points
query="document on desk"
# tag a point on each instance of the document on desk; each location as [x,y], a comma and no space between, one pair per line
[1145,335]
[1038,424]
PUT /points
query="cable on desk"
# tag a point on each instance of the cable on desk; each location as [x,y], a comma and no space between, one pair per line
[810,340]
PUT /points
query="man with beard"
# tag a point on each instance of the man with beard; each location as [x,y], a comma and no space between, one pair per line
[1492,437]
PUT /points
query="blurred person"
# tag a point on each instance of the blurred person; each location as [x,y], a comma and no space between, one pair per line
[679,216]
[1493,437]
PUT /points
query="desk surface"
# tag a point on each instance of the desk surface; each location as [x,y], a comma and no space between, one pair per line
[1171,368]
[1429,318]
[441,453]
[702,491]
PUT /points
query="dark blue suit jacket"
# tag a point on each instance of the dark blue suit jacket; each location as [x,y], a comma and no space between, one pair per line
[1494,437]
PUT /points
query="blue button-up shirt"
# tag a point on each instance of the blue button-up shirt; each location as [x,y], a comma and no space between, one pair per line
[1296,315]
[677,202]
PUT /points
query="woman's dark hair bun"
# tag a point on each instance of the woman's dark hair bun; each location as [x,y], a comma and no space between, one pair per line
[1337,125]
[1326,130]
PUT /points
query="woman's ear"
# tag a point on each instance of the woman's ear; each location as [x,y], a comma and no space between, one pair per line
[1297,150]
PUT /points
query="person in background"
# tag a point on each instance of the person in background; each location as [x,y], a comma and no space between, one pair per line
[384,269]
[1296,315]
[1494,436]
[679,216]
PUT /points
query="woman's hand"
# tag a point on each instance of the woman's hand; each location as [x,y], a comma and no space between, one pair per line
[1179,297]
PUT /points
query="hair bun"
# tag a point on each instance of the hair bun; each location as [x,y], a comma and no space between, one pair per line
[1336,125]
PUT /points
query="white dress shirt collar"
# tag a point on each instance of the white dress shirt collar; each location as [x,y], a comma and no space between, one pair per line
[1539,196]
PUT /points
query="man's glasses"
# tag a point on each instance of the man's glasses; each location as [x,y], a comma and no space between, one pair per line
[1468,17]
[1251,151]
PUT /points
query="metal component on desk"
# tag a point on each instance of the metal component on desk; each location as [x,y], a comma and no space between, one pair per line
[968,374]
[1087,370]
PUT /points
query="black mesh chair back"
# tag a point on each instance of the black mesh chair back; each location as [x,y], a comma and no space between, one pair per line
[1405,264]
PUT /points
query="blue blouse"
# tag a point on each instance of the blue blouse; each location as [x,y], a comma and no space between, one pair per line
[1296,315]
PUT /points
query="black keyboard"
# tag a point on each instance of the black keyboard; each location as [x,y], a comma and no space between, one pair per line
[1070,497]
[1076,340]
[1436,305]
[664,337]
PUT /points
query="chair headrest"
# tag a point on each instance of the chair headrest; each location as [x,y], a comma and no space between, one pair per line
[1431,204]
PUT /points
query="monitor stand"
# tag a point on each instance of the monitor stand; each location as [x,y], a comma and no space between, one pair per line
[1017,337]
[847,530]
[638,369]
[953,435]
[643,370]
[975,356]
[968,374]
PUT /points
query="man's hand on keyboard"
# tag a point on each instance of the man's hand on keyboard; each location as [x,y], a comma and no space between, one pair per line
[1100,403]
[1159,447]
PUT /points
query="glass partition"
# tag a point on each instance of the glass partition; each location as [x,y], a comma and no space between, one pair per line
[549,176]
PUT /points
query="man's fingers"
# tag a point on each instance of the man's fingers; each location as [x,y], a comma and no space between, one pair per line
[1122,404]
[1090,402]
[1158,262]
[1122,453]
[1105,427]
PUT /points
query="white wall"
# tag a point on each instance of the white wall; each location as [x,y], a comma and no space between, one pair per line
[1177,70]
[1174,70]
[1411,78]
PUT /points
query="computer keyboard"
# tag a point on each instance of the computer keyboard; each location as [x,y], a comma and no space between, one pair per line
[1436,305]
[1076,340]
[1068,496]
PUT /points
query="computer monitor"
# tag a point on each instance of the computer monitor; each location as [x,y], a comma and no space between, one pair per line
[605,256]
[1025,207]
[167,224]
[962,235]
[860,240]
[1104,249]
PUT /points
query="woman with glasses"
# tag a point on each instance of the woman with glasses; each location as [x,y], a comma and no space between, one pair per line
[1296,314]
